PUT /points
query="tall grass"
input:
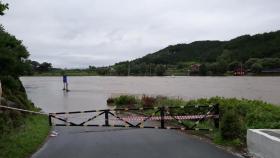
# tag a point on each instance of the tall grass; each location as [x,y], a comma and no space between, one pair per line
[23,141]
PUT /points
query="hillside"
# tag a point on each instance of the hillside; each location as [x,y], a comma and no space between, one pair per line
[241,48]
[257,52]
[196,51]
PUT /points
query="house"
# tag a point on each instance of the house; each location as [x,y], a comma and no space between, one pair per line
[239,71]
[195,67]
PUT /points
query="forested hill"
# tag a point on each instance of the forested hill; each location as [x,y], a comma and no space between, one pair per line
[196,51]
[242,48]
[257,52]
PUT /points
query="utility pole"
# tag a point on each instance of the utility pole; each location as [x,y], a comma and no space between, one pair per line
[128,70]
[150,70]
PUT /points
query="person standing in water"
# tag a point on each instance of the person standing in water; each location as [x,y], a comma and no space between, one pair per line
[65,83]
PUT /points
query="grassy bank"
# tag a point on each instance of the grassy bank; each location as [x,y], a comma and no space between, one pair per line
[236,115]
[23,141]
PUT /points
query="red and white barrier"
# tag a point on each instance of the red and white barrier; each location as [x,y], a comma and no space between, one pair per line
[157,118]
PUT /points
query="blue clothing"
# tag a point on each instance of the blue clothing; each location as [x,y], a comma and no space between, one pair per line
[64,79]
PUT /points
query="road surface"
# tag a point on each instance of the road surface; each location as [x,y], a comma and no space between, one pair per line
[98,142]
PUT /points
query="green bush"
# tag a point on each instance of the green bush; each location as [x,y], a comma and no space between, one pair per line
[231,126]
[110,101]
[124,100]
[10,83]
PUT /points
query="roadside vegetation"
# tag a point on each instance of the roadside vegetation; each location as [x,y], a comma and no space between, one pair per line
[236,115]
[20,133]
[23,141]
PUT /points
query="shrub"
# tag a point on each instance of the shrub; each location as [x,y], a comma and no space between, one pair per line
[256,68]
[148,101]
[124,100]
[110,101]
[8,82]
[231,126]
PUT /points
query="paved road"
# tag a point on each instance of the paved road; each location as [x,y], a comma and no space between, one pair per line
[98,142]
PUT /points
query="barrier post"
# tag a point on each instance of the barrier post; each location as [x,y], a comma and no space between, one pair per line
[162,117]
[50,120]
[106,117]
[216,112]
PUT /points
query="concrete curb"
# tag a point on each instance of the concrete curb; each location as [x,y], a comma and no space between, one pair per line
[263,145]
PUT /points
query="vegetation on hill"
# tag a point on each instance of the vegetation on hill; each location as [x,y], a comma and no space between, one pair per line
[255,55]
[252,53]
[236,115]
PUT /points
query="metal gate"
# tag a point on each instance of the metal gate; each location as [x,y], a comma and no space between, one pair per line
[166,117]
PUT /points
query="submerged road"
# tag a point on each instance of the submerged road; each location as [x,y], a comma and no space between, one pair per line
[98,142]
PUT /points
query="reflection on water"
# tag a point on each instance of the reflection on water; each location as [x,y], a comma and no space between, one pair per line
[92,92]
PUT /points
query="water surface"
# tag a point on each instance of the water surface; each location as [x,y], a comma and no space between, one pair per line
[92,92]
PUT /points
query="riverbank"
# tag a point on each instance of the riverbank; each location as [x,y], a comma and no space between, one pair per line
[236,116]
[23,141]
[86,73]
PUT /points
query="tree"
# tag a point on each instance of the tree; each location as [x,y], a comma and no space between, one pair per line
[250,62]
[45,67]
[270,63]
[92,68]
[180,66]
[160,70]
[3,7]
[226,56]
[35,65]
[233,65]
[256,68]
[13,55]
[103,70]
[121,69]
[203,70]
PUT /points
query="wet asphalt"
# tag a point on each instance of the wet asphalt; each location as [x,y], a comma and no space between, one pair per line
[104,142]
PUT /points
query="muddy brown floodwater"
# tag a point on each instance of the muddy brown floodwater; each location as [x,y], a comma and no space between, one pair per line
[88,93]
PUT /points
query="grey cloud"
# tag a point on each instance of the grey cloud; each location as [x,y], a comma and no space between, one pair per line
[72,33]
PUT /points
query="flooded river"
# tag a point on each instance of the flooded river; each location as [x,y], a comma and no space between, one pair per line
[88,93]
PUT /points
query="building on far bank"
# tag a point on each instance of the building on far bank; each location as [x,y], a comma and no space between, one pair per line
[239,72]
[195,67]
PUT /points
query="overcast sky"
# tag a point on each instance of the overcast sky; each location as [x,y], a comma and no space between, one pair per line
[78,33]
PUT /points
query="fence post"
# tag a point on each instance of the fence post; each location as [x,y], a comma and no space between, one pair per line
[162,117]
[216,112]
[50,120]
[106,117]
